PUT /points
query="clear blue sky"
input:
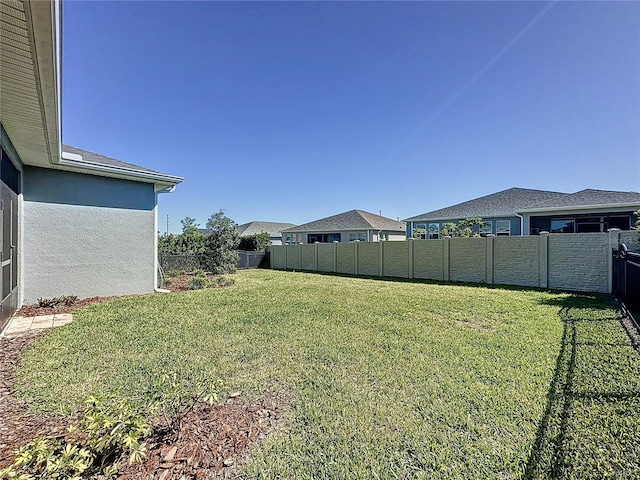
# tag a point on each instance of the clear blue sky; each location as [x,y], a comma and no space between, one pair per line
[293,111]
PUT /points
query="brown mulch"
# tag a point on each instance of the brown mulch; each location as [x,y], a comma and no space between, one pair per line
[180,283]
[35,309]
[209,442]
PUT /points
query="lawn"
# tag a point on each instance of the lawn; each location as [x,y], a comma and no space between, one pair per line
[389,379]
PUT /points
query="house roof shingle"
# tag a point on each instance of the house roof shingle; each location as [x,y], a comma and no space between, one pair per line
[588,198]
[272,228]
[91,159]
[504,203]
[351,220]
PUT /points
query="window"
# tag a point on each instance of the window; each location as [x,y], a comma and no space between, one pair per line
[503,228]
[434,230]
[565,225]
[384,236]
[323,237]
[420,231]
[487,228]
[360,236]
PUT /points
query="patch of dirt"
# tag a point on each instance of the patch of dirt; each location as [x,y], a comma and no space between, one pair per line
[180,283]
[209,442]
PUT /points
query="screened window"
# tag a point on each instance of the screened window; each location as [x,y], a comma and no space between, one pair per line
[420,231]
[486,228]
[566,225]
[503,228]
[323,237]
[434,230]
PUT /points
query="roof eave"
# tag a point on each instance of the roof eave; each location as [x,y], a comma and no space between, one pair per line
[609,206]
[118,172]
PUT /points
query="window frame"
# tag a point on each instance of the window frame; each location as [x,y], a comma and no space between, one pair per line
[501,232]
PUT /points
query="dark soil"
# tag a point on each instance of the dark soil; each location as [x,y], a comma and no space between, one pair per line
[180,283]
[35,309]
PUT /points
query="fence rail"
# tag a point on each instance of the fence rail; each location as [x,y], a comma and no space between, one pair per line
[626,280]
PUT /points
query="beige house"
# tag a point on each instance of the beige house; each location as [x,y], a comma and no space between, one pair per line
[346,227]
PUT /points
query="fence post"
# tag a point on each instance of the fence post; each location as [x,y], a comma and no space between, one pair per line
[410,257]
[447,259]
[381,259]
[286,257]
[489,259]
[335,256]
[300,256]
[316,254]
[356,267]
[543,260]
[614,240]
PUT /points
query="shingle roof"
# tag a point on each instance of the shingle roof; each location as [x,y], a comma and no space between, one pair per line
[589,197]
[351,220]
[504,203]
[97,159]
[272,228]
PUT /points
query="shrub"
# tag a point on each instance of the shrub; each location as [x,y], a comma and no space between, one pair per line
[66,300]
[255,243]
[225,281]
[220,254]
[197,283]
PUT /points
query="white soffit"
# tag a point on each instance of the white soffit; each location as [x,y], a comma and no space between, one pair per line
[29,81]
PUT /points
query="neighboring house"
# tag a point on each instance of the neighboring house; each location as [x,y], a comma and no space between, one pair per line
[73,222]
[521,211]
[347,227]
[274,229]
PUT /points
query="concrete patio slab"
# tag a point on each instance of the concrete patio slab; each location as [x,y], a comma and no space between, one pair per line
[22,325]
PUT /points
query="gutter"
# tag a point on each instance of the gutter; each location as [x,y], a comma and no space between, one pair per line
[582,207]
[74,161]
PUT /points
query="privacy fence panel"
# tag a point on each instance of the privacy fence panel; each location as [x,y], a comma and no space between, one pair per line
[346,256]
[516,261]
[395,257]
[369,258]
[326,257]
[308,257]
[428,259]
[468,259]
[580,261]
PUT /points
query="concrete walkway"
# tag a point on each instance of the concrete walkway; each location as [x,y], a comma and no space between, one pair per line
[22,325]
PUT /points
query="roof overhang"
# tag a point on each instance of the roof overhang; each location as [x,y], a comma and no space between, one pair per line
[30,46]
[74,163]
[619,207]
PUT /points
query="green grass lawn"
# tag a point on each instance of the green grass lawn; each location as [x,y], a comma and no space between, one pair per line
[389,379]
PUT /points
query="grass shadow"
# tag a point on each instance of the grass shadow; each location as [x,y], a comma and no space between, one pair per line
[578,434]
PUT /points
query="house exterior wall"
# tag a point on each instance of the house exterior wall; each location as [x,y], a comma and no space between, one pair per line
[371,235]
[514,225]
[86,235]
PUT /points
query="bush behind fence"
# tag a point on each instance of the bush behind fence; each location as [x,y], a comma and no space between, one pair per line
[190,263]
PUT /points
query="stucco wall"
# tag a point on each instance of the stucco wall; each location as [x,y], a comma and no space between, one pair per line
[86,235]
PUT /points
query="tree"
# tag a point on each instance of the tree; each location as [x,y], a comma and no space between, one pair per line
[220,244]
[464,228]
[419,233]
[258,242]
[189,224]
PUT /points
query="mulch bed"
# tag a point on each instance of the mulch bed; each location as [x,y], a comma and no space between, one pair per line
[209,442]
[180,283]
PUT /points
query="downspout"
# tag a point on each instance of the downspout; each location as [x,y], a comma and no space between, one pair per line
[521,223]
[155,242]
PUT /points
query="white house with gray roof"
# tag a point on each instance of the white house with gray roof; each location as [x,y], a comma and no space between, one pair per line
[73,222]
[521,211]
[274,229]
[347,227]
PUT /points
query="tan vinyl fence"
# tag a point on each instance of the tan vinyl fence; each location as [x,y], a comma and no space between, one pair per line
[565,261]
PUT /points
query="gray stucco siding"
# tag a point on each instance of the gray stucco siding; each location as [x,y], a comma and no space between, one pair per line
[85,235]
[57,186]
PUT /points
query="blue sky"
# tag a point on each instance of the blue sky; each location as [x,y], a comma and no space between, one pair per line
[293,111]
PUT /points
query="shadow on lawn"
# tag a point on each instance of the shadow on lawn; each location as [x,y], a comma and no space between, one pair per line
[577,419]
